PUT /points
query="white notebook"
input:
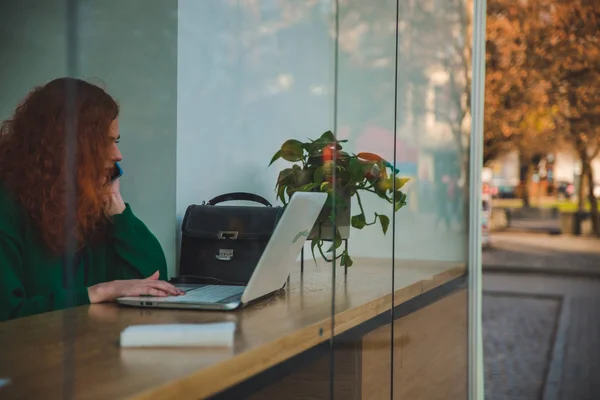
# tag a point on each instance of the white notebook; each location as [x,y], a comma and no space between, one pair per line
[179,335]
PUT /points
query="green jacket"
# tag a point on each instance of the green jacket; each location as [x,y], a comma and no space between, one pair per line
[33,280]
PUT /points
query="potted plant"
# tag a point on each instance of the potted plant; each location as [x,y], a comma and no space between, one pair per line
[322,165]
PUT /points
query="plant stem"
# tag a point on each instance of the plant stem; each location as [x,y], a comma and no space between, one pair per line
[320,246]
[378,195]
[362,210]
[370,190]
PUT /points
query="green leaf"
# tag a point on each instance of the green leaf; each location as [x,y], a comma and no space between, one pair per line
[314,243]
[346,261]
[302,177]
[276,157]
[384,185]
[327,137]
[325,186]
[338,238]
[281,193]
[313,149]
[307,188]
[291,150]
[358,221]
[399,196]
[385,223]
[401,182]
[342,158]
[285,176]
[319,175]
[356,169]
[337,243]
[367,167]
[399,200]
[381,191]
[328,168]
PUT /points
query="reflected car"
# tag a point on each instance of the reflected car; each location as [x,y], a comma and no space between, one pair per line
[506,192]
[565,190]
[504,188]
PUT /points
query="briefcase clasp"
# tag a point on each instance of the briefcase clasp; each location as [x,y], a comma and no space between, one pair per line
[228,235]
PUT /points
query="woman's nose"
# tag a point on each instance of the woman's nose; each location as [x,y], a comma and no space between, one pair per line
[117,156]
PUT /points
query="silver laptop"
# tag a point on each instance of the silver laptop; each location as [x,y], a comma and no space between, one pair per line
[270,274]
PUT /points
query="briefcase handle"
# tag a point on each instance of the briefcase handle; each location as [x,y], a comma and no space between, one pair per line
[238,196]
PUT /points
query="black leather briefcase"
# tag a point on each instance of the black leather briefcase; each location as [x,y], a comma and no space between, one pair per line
[222,244]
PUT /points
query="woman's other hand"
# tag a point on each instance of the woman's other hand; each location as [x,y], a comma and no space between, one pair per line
[114,200]
[151,286]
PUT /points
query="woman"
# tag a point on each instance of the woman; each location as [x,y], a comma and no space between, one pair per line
[67,238]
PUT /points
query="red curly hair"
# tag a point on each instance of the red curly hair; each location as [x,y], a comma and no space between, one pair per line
[33,159]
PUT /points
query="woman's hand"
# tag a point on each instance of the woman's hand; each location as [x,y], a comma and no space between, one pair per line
[151,286]
[114,201]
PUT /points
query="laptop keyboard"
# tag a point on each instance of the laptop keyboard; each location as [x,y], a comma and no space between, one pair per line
[187,288]
[211,293]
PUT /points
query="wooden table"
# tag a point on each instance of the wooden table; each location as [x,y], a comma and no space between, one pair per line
[75,353]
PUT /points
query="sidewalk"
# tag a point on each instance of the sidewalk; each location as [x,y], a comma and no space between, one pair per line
[542,253]
[540,317]
[541,337]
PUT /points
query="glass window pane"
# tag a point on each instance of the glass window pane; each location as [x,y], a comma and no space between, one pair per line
[365,118]
[271,103]
[432,235]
